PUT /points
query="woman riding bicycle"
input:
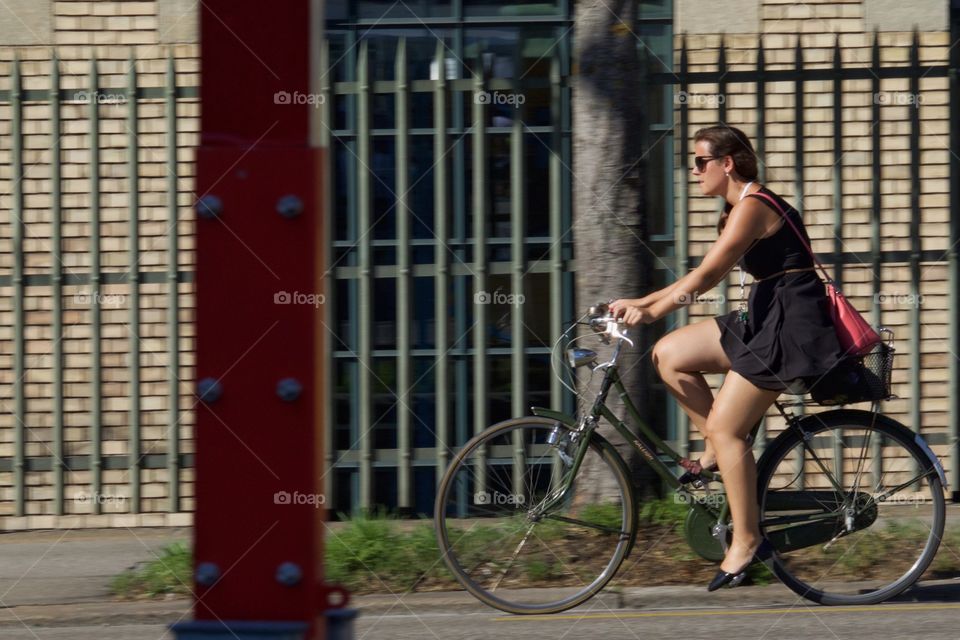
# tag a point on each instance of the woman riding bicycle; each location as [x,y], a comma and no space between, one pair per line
[782,339]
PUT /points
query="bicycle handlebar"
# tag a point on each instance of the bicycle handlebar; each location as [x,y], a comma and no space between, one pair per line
[602,321]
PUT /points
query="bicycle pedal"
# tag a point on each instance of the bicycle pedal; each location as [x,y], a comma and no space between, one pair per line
[693,479]
[737,579]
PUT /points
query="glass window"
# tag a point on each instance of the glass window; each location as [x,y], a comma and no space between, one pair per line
[521,8]
[423,325]
[539,377]
[384,313]
[383,107]
[385,405]
[422,404]
[424,490]
[500,396]
[344,304]
[384,213]
[344,497]
[420,183]
[537,183]
[421,53]
[522,51]
[659,184]
[344,389]
[337,9]
[342,192]
[406,9]
[384,487]
[511,51]
[339,56]
[498,186]
[536,307]
[421,112]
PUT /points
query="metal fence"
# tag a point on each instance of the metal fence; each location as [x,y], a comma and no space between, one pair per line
[82,190]
[382,406]
[451,281]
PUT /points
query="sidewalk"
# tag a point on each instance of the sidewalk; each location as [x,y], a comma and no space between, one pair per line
[63,577]
[58,578]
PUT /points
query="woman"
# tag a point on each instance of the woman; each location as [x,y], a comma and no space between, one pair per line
[781,339]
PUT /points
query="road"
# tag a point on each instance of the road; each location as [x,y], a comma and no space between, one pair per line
[929,621]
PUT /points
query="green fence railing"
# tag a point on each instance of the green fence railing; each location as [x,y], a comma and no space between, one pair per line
[356,120]
[24,282]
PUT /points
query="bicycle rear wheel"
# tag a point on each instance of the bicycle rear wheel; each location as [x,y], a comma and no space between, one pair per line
[852,504]
[513,538]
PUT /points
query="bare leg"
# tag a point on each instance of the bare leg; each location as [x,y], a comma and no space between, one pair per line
[739,405]
[681,357]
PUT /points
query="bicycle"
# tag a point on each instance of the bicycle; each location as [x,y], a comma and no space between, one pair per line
[536,514]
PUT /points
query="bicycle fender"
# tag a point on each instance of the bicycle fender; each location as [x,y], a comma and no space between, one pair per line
[814,418]
[934,460]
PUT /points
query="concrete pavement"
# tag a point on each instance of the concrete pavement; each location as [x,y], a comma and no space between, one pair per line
[63,577]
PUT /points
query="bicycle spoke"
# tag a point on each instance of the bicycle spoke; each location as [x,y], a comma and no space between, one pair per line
[588,525]
[863,456]
[513,558]
[864,547]
[826,472]
[539,550]
[922,476]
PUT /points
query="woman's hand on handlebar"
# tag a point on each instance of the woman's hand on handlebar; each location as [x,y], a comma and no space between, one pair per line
[631,312]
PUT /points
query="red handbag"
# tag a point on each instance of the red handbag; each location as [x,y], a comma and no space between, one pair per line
[855,334]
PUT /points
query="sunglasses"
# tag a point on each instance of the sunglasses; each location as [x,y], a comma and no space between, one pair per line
[700,162]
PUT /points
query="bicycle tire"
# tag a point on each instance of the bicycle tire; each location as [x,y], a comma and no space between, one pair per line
[817,426]
[529,604]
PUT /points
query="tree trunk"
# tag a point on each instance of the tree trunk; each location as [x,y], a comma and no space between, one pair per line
[610,236]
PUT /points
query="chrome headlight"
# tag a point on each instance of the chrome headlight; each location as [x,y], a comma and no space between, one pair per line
[579,357]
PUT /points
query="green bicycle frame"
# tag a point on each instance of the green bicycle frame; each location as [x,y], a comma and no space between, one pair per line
[650,446]
[808,529]
[803,529]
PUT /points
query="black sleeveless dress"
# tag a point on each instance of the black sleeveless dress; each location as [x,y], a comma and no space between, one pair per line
[788,341]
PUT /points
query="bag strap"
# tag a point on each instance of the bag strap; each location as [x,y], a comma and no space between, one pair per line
[799,235]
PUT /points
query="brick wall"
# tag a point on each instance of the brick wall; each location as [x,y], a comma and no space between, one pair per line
[113,33]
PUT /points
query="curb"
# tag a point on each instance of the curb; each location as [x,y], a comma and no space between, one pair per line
[610,598]
[663,597]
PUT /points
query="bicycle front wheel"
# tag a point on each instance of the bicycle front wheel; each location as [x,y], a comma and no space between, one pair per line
[518,532]
[853,505]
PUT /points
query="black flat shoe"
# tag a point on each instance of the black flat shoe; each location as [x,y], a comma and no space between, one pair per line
[763,554]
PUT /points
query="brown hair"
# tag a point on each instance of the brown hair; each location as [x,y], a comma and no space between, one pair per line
[725,140]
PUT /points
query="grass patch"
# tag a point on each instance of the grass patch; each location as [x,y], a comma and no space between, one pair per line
[664,512]
[379,553]
[372,554]
[169,574]
[947,562]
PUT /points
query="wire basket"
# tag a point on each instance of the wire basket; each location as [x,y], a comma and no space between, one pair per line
[862,378]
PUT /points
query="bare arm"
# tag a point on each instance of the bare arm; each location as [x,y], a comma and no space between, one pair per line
[653,296]
[649,299]
[746,223]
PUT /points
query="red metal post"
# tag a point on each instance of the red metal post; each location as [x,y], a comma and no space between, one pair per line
[258,532]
